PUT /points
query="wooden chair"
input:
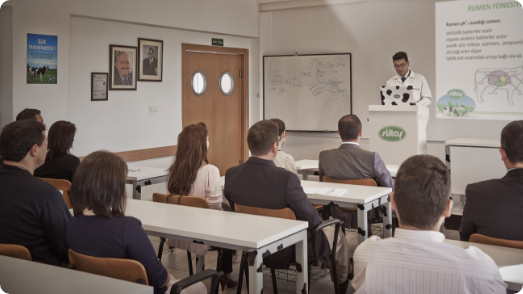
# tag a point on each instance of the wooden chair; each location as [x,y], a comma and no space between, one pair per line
[287,213]
[118,268]
[16,251]
[63,185]
[482,239]
[133,271]
[192,201]
[359,182]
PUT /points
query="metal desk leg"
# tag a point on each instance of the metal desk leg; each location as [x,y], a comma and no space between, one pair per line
[387,221]
[255,261]
[301,259]
[137,189]
[362,221]
[200,262]
[305,177]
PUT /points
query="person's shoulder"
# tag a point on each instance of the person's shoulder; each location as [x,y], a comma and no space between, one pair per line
[480,187]
[70,158]
[130,221]
[370,244]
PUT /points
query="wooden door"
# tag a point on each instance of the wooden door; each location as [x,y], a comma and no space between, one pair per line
[224,115]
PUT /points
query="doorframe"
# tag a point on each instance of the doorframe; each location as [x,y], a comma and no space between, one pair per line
[244,81]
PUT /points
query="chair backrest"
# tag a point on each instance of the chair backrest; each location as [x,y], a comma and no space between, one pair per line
[478,238]
[359,182]
[63,185]
[118,268]
[285,213]
[193,201]
[16,251]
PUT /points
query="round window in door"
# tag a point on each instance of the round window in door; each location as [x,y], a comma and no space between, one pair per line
[199,83]
[226,83]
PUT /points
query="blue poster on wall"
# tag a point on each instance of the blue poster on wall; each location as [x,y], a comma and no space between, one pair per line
[42,65]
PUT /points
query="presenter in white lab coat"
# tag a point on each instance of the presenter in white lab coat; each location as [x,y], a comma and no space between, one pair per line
[405,77]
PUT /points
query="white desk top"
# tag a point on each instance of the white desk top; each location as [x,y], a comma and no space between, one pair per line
[308,164]
[355,194]
[509,260]
[22,276]
[211,226]
[474,142]
[138,173]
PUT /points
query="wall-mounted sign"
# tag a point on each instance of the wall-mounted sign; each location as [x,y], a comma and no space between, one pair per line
[392,133]
[217,42]
[42,56]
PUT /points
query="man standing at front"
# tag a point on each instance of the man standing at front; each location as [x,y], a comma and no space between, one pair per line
[422,96]
[121,74]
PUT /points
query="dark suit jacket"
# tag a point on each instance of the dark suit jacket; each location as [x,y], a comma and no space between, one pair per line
[117,80]
[350,162]
[148,68]
[494,208]
[259,183]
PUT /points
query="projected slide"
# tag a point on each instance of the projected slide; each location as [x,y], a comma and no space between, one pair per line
[479,60]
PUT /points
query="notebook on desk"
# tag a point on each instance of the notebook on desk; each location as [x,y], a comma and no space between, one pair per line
[324,191]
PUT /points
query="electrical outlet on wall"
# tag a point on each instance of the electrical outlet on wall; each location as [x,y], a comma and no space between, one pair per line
[156,109]
[151,109]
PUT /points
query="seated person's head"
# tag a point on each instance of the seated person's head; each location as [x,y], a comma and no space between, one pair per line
[281,130]
[263,139]
[349,128]
[24,142]
[29,113]
[422,190]
[191,153]
[60,140]
[512,144]
[99,185]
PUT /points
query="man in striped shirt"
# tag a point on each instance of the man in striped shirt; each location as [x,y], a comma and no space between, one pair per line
[416,260]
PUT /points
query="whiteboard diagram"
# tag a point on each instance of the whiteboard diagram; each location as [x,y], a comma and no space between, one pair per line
[310,92]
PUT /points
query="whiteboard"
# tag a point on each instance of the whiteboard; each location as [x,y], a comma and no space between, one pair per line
[308,92]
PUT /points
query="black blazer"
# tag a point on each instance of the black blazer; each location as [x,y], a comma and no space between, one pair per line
[260,183]
[494,208]
[62,167]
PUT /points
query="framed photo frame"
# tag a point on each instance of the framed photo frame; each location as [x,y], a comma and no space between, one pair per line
[150,60]
[99,86]
[122,67]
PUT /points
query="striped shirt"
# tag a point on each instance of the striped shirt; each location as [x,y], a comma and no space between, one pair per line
[419,262]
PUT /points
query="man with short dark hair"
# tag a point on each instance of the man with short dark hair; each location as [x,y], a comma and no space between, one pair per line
[350,162]
[283,159]
[32,212]
[494,207]
[259,183]
[416,260]
[406,77]
[29,113]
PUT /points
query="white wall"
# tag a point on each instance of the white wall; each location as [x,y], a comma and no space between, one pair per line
[6,65]
[124,122]
[86,28]
[372,31]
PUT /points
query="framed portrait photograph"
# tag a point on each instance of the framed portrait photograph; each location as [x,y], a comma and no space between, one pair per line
[122,67]
[99,86]
[150,60]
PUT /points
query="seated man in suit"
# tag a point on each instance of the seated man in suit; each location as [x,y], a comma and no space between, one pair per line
[32,212]
[29,113]
[416,260]
[494,207]
[259,183]
[350,162]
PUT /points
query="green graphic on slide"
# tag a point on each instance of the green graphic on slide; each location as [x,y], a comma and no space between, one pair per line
[392,134]
[456,104]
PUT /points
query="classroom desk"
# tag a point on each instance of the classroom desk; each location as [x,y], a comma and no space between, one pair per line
[362,197]
[257,235]
[509,261]
[307,167]
[140,176]
[22,276]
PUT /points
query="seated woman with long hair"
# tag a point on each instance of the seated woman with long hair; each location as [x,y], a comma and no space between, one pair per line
[59,162]
[192,175]
[100,227]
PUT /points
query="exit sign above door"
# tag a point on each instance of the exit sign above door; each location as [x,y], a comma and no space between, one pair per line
[217,42]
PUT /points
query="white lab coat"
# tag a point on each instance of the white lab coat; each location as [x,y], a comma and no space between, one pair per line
[420,87]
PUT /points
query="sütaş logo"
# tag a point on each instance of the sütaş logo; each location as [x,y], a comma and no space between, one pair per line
[392,134]
[456,94]
[397,96]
